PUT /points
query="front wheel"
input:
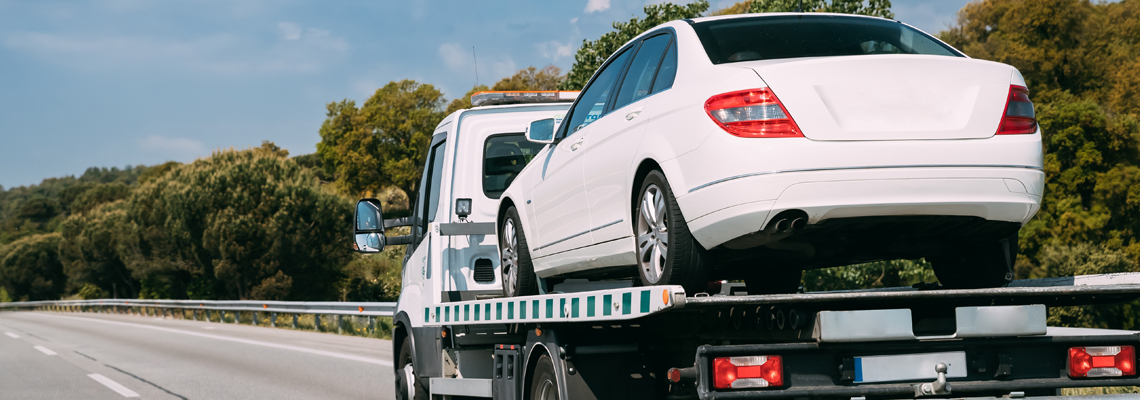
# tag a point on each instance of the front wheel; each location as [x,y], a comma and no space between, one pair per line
[408,386]
[667,253]
[515,266]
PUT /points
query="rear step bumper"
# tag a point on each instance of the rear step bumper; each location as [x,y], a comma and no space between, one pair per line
[995,367]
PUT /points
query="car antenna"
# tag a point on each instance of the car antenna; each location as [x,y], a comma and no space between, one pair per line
[800,6]
[476,65]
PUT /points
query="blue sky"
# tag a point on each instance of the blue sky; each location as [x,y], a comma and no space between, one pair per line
[127,82]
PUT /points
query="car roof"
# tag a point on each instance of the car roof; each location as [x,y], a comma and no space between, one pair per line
[781,14]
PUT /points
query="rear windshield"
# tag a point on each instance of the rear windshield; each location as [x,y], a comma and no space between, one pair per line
[793,36]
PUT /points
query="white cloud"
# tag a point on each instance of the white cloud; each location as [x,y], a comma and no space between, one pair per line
[305,51]
[455,56]
[597,5]
[574,20]
[503,68]
[182,147]
[555,50]
[289,30]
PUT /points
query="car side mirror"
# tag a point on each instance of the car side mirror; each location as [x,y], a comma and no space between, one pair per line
[541,131]
[368,227]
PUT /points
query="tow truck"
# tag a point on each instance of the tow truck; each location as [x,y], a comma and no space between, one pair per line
[456,337]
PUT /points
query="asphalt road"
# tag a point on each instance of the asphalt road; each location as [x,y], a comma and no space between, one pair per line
[104,356]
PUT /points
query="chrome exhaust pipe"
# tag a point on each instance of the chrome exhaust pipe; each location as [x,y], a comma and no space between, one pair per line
[799,223]
[783,225]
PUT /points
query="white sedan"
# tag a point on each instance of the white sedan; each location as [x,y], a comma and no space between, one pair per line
[756,146]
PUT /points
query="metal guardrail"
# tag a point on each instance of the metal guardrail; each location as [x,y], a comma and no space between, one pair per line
[146,307]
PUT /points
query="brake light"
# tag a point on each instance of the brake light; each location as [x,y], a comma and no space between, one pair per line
[748,372]
[1103,361]
[1019,117]
[752,113]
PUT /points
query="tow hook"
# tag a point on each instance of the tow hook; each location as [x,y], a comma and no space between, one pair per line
[936,388]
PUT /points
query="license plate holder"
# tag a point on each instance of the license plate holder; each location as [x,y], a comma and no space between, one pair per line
[908,367]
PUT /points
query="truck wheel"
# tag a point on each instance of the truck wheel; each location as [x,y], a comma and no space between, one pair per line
[408,386]
[667,253]
[982,265]
[517,270]
[543,385]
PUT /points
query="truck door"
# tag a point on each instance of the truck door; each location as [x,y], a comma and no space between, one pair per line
[423,263]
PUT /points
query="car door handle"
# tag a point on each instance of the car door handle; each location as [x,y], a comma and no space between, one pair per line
[633,114]
[576,145]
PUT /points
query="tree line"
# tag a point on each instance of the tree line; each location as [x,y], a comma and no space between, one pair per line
[259,224]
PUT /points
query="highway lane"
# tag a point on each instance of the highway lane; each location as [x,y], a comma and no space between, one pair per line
[106,356]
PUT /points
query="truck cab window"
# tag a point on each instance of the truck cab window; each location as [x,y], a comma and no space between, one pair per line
[504,156]
[435,172]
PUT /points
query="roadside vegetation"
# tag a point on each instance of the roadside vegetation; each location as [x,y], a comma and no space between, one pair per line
[259,224]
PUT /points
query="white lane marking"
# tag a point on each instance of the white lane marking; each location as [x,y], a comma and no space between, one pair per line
[45,350]
[207,327]
[113,385]
[369,360]
[12,335]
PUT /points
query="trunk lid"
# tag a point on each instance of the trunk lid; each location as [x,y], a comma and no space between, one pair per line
[890,97]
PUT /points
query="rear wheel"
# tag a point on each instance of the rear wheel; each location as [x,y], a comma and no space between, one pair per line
[543,385]
[667,253]
[517,270]
[981,265]
[408,386]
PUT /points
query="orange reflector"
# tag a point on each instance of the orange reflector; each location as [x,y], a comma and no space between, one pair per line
[665,297]
[360,308]
[537,332]
[264,306]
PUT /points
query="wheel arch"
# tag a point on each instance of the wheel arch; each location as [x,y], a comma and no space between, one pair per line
[400,333]
[643,169]
[504,203]
[537,350]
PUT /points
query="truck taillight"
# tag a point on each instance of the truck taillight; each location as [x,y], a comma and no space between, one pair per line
[1019,117]
[752,113]
[1102,361]
[748,372]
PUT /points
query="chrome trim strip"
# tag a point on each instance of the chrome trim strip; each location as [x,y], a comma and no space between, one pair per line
[576,235]
[852,168]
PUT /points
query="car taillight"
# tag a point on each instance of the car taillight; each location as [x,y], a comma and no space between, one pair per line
[1103,361]
[1019,117]
[748,372]
[752,113]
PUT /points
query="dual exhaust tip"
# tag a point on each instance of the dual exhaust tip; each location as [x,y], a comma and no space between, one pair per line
[784,225]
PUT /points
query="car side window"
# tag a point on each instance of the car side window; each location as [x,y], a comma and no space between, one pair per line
[639,78]
[668,70]
[427,202]
[592,102]
[504,157]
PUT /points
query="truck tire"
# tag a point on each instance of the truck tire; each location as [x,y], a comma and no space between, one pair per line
[543,384]
[667,253]
[408,388]
[981,265]
[516,269]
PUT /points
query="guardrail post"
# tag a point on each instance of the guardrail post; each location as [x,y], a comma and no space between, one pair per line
[294,320]
[371,324]
[317,322]
[339,324]
[273,319]
[254,320]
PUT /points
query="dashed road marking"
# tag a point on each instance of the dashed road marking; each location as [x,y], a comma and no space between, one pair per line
[120,389]
[12,335]
[45,350]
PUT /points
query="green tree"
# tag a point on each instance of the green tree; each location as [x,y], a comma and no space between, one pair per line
[30,268]
[94,250]
[593,53]
[531,78]
[384,142]
[878,8]
[4,297]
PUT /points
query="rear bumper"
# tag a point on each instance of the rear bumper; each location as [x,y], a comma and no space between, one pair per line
[815,370]
[742,205]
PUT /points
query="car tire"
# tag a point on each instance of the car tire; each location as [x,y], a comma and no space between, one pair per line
[543,384]
[404,370]
[667,253]
[515,267]
[979,265]
[775,280]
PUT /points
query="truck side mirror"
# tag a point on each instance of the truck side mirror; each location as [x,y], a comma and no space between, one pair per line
[541,131]
[368,228]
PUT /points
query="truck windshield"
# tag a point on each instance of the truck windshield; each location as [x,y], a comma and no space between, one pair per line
[793,36]
[504,156]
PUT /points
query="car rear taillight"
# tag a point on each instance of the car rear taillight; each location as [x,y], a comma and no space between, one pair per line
[748,372]
[1102,362]
[752,113]
[1019,117]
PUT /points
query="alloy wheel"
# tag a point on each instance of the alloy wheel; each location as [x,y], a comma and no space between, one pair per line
[652,233]
[510,258]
